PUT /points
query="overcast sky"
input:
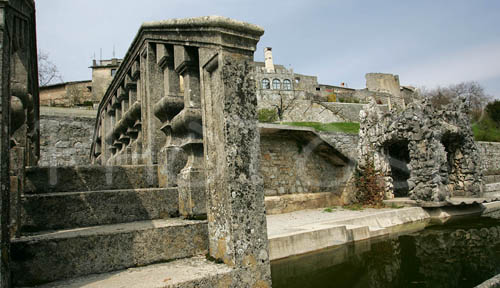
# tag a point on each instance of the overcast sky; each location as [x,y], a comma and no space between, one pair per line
[426,42]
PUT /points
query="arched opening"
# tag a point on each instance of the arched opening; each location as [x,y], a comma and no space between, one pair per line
[453,144]
[399,158]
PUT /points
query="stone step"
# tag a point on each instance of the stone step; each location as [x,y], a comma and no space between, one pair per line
[190,272]
[78,252]
[89,178]
[487,179]
[492,187]
[60,210]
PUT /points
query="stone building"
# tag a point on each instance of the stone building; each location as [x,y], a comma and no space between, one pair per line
[78,93]
[302,98]
[66,94]
[102,75]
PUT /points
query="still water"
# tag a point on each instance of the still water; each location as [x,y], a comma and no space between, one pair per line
[463,253]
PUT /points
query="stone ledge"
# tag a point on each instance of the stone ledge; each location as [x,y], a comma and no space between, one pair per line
[307,231]
[179,273]
[295,202]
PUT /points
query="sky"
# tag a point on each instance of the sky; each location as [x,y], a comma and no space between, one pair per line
[428,43]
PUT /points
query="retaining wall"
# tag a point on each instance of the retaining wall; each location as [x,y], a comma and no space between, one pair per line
[65,137]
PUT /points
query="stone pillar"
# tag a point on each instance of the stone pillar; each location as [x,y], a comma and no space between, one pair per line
[187,125]
[104,132]
[236,209]
[154,83]
[171,158]
[4,151]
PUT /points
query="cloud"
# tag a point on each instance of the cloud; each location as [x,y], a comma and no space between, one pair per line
[478,63]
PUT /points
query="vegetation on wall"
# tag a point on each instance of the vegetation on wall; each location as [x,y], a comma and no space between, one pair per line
[348,100]
[268,115]
[369,185]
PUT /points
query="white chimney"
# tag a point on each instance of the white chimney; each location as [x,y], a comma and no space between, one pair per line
[268,56]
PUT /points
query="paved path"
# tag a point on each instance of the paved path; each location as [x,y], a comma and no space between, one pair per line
[312,230]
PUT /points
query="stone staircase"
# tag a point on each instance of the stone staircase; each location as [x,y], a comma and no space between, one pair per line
[78,221]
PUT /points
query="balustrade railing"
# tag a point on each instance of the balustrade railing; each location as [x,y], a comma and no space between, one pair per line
[184,98]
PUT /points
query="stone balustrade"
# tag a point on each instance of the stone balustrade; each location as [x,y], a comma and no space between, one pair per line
[184,98]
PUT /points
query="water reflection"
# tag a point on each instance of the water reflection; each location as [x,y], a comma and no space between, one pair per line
[459,254]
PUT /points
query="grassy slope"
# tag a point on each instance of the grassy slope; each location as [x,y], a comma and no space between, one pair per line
[486,130]
[346,127]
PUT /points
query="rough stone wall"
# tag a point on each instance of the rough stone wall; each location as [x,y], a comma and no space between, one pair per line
[344,142]
[324,112]
[441,158]
[288,168]
[65,140]
[490,157]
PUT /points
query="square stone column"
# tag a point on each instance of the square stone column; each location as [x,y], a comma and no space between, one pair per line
[154,82]
[172,157]
[235,208]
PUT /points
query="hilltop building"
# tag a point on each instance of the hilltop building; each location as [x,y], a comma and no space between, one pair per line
[81,93]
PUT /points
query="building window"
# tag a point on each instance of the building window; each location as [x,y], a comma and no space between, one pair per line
[287,84]
[297,80]
[113,72]
[276,84]
[266,84]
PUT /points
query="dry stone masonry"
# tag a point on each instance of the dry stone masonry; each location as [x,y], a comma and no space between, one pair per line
[423,153]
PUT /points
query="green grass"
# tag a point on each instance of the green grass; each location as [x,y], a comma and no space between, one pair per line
[354,207]
[329,209]
[346,127]
[486,130]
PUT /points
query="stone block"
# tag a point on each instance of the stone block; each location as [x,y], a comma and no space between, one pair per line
[80,209]
[44,258]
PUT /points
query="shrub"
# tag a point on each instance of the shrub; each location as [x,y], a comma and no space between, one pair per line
[369,185]
[486,130]
[268,115]
[493,110]
[332,98]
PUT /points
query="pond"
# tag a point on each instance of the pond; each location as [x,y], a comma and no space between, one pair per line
[462,253]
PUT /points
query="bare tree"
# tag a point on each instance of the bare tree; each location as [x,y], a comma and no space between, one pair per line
[75,94]
[47,70]
[284,105]
[471,91]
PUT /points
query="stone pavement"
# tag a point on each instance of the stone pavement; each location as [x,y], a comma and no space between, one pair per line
[311,230]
